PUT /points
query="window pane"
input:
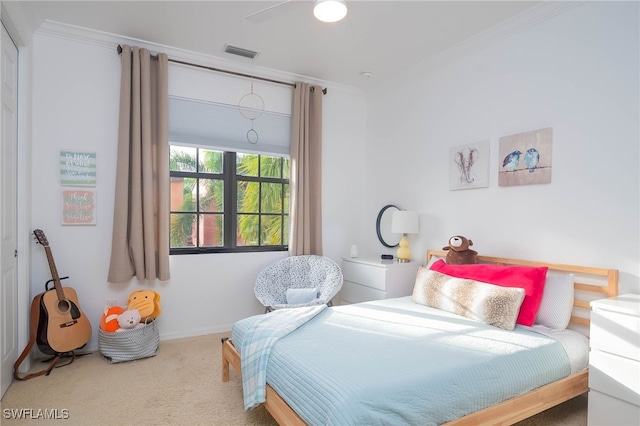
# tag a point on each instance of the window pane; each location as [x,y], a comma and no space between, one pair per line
[211,193]
[271,198]
[247,231]
[270,166]
[260,194]
[211,230]
[182,159]
[286,198]
[182,194]
[271,230]
[210,161]
[183,230]
[285,238]
[247,164]
[248,197]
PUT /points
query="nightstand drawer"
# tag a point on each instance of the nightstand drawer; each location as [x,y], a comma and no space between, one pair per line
[616,333]
[365,274]
[604,410]
[356,293]
[616,376]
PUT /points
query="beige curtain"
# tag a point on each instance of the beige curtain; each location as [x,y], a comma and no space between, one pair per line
[140,242]
[305,235]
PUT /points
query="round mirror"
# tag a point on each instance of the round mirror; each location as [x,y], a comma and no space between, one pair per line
[383,227]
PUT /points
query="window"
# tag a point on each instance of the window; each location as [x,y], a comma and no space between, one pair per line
[228,201]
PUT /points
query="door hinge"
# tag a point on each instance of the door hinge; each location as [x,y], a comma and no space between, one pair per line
[15,253]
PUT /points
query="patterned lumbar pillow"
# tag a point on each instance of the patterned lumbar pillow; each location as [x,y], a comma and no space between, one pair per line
[531,279]
[491,304]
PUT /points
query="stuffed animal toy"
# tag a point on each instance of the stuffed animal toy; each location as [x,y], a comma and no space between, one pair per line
[109,319]
[459,252]
[147,302]
[129,320]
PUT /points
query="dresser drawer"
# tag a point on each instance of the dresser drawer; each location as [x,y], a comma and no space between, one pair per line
[616,333]
[616,376]
[365,274]
[356,293]
[604,410]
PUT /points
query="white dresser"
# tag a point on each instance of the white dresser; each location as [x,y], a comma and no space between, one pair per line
[370,279]
[614,362]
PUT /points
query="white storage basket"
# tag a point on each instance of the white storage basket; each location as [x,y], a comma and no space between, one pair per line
[129,345]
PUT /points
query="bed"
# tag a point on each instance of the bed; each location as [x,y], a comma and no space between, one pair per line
[339,388]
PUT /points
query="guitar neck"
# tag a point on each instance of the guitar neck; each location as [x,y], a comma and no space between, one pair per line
[54,274]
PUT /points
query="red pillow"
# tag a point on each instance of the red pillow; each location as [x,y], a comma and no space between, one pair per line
[531,279]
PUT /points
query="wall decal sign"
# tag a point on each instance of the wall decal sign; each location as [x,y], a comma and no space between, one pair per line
[77,168]
[78,207]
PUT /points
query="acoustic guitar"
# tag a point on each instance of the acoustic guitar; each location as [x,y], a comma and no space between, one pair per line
[63,327]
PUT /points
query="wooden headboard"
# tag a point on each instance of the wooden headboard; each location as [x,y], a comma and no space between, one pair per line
[590,283]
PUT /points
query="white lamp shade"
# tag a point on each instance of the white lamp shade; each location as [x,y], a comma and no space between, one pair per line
[404,222]
[330,10]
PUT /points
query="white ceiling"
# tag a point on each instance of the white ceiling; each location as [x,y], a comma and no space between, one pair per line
[380,37]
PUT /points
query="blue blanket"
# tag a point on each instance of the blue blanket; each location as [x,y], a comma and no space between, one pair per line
[256,346]
[396,362]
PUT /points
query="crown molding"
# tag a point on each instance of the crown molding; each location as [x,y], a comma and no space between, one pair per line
[516,24]
[111,41]
[17,18]
[502,31]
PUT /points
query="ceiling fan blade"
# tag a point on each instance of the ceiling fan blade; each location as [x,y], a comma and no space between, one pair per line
[271,11]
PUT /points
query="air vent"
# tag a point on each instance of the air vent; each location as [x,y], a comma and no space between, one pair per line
[240,51]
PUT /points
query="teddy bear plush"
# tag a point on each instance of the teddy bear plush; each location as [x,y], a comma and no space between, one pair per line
[459,252]
[129,320]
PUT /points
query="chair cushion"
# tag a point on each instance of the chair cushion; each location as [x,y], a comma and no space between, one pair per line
[301,295]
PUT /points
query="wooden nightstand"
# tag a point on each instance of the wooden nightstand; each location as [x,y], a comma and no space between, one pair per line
[370,279]
[614,361]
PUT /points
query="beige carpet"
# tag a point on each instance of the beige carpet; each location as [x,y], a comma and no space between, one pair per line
[179,386]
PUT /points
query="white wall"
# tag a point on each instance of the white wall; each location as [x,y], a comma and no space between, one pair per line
[576,72]
[75,91]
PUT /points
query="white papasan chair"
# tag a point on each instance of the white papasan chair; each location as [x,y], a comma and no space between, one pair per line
[305,280]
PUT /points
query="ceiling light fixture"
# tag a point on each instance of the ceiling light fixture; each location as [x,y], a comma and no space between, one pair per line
[330,10]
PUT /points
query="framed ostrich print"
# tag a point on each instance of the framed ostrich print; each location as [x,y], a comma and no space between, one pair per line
[525,158]
[469,166]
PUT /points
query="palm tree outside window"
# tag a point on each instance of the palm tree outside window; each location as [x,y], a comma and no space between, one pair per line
[228,201]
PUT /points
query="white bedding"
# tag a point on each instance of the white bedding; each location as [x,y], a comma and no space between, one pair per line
[575,345]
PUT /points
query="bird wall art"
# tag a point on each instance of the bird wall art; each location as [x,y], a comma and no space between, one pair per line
[525,158]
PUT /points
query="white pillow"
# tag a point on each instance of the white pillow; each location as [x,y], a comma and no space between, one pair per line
[557,301]
[433,260]
[297,296]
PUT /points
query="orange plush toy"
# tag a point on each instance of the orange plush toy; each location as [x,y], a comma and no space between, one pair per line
[147,302]
[109,320]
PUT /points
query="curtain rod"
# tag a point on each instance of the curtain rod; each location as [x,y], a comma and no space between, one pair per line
[324,91]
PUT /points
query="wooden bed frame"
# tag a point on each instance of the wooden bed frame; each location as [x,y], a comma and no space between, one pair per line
[590,284]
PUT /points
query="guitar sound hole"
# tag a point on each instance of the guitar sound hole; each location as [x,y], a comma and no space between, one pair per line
[63,306]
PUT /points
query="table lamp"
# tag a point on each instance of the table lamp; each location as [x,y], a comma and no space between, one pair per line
[404,222]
